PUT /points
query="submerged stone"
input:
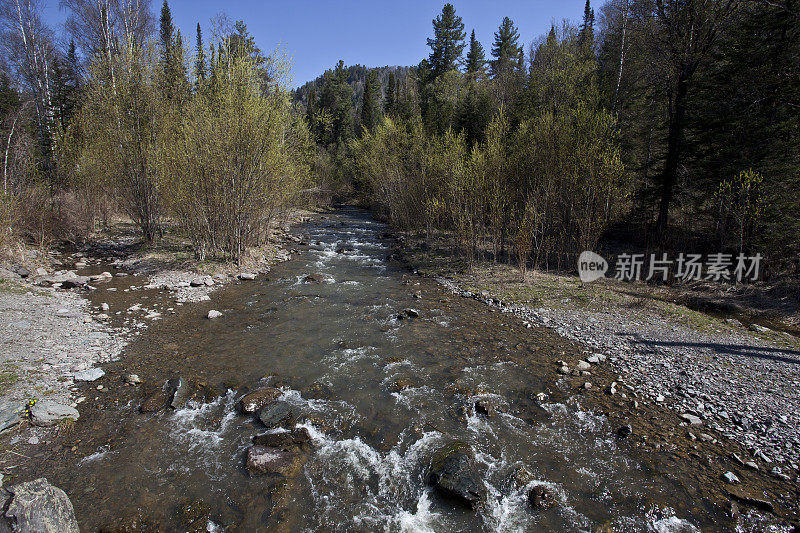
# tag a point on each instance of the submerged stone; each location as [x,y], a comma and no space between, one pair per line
[453,475]
[269,460]
[277,414]
[252,402]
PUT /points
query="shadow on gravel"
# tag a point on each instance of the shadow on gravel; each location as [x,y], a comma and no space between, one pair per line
[770,354]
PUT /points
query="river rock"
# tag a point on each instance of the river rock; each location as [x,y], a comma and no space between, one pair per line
[315,278]
[277,414]
[488,406]
[692,419]
[201,281]
[181,391]
[213,314]
[91,374]
[624,431]
[730,477]
[541,497]
[268,460]
[154,402]
[252,402]
[9,415]
[37,506]
[47,413]
[411,313]
[453,474]
[246,276]
[284,439]
[131,379]
[582,365]
[104,276]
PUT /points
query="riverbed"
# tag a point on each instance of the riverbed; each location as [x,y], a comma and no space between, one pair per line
[382,368]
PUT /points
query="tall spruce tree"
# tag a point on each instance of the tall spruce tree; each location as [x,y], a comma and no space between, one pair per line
[586,37]
[506,49]
[391,94]
[166,32]
[370,105]
[448,43]
[200,61]
[476,60]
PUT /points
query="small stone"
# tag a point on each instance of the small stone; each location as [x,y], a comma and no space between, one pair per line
[587,386]
[563,370]
[131,379]
[624,431]
[730,477]
[411,313]
[252,402]
[692,419]
[213,314]
[582,365]
[277,414]
[268,460]
[92,374]
[246,276]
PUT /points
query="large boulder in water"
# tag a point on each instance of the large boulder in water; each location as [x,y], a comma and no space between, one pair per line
[252,402]
[284,439]
[268,460]
[38,506]
[277,414]
[453,474]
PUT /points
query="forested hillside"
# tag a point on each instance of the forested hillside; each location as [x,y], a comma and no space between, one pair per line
[672,123]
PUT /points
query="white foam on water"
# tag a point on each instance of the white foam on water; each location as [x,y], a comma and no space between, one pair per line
[673,524]
[421,520]
[189,422]
[98,455]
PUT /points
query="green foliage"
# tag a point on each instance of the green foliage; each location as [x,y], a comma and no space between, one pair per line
[506,49]
[370,103]
[447,43]
[476,60]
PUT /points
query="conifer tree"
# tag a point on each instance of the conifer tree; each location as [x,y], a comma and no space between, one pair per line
[166,34]
[391,95]
[587,27]
[448,43]
[370,106]
[506,49]
[476,60]
[200,62]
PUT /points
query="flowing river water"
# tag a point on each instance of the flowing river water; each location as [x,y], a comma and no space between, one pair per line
[378,394]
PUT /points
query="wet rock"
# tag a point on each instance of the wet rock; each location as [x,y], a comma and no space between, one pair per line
[283,439]
[315,278]
[401,384]
[541,497]
[269,460]
[411,313]
[252,402]
[92,374]
[213,314]
[488,406]
[47,413]
[453,474]
[730,477]
[692,419]
[9,415]
[194,516]
[246,276]
[104,276]
[753,501]
[180,392]
[37,506]
[624,431]
[154,402]
[277,414]
[131,379]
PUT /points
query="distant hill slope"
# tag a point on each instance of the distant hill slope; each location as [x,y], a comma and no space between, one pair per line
[356,77]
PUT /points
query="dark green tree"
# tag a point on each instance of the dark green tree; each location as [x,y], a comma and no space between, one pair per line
[335,103]
[166,34]
[447,43]
[370,105]
[476,60]
[506,49]
[390,101]
[586,37]
[200,61]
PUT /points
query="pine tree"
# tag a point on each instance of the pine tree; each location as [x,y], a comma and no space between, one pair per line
[391,94]
[448,43]
[166,33]
[200,63]
[311,109]
[370,106]
[506,49]
[586,37]
[476,60]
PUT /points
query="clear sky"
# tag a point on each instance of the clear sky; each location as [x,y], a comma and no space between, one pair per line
[316,34]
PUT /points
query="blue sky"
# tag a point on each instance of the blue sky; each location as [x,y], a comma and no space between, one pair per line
[316,34]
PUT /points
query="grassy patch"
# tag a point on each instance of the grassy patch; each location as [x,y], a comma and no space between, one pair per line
[7,379]
[11,287]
